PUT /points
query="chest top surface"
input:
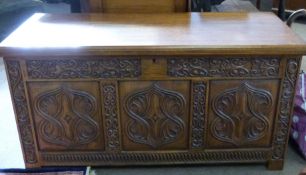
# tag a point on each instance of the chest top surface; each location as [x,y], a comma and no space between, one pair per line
[153,34]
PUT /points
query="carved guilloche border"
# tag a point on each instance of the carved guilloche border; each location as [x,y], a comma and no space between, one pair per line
[21,111]
[157,158]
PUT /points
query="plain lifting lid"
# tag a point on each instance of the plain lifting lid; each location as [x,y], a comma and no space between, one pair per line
[150,34]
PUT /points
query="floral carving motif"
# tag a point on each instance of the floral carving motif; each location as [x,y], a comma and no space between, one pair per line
[21,109]
[155,116]
[198,119]
[286,104]
[244,108]
[111,116]
[223,67]
[67,117]
[79,68]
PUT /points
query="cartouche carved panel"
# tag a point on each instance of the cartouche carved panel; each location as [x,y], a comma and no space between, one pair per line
[67,115]
[198,114]
[83,68]
[243,108]
[155,116]
[157,112]
[241,114]
[224,67]
[21,111]
[285,108]
[110,115]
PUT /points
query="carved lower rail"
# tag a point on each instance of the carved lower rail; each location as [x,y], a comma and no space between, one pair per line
[158,158]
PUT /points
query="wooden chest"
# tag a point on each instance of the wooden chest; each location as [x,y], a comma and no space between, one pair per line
[187,88]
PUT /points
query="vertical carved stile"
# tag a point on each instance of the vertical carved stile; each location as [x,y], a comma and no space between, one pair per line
[285,108]
[198,115]
[21,111]
[110,116]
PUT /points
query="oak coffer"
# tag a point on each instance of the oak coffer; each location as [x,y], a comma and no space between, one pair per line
[152,89]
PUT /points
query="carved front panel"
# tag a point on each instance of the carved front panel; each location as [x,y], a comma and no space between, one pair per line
[241,113]
[154,114]
[67,115]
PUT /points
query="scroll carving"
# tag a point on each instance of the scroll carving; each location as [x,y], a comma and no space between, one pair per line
[67,117]
[198,118]
[78,68]
[241,114]
[286,104]
[223,67]
[155,116]
[21,110]
[110,115]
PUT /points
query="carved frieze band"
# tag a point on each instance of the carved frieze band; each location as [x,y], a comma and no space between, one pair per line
[198,118]
[110,115]
[223,67]
[158,157]
[285,108]
[21,111]
[83,68]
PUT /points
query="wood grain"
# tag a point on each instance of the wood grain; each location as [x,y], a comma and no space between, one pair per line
[153,34]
